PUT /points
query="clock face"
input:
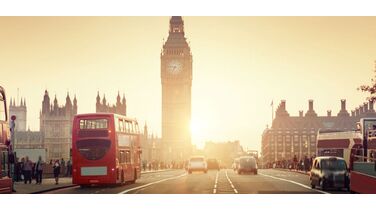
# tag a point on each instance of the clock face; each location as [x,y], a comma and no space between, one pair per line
[174,67]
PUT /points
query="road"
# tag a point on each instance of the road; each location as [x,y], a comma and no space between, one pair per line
[225,181]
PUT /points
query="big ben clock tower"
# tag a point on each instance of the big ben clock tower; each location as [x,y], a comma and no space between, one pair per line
[176,77]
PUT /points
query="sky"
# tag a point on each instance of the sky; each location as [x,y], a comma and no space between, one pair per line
[240,65]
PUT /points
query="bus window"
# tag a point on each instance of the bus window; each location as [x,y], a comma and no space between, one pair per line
[132,128]
[127,156]
[121,125]
[93,124]
[128,127]
[137,129]
[4,162]
[122,156]
[2,108]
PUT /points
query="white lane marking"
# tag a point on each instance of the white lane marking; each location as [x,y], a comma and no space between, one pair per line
[152,183]
[232,186]
[215,184]
[296,183]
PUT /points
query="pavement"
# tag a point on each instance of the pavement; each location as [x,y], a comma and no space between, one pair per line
[296,171]
[48,184]
[172,181]
[225,181]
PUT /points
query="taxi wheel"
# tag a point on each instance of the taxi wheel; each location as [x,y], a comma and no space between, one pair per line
[313,185]
[322,184]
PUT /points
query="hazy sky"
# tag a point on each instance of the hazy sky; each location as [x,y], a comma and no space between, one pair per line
[240,64]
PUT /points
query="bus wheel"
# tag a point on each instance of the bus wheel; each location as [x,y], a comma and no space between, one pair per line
[134,177]
[122,177]
[83,186]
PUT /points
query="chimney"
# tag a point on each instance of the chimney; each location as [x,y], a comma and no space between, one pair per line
[283,105]
[365,105]
[353,113]
[361,109]
[370,103]
[329,113]
[343,104]
[300,113]
[310,105]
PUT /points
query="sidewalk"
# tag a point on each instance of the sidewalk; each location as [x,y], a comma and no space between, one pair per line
[293,170]
[49,184]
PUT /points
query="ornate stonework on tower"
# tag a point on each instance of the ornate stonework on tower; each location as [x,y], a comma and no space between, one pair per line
[20,111]
[56,126]
[176,78]
[103,107]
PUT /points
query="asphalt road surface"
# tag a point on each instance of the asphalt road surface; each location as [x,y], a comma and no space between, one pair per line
[225,181]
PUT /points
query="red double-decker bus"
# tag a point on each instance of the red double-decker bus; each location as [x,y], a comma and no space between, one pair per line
[5,180]
[105,149]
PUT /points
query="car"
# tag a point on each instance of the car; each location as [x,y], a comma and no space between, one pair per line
[213,164]
[247,164]
[197,163]
[329,172]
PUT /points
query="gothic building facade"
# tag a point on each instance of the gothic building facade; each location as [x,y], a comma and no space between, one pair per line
[102,106]
[20,111]
[23,137]
[296,135]
[176,79]
[56,126]
[151,147]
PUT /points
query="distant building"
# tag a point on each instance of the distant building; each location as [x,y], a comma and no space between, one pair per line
[24,139]
[151,147]
[56,126]
[226,152]
[296,135]
[20,112]
[28,140]
[119,108]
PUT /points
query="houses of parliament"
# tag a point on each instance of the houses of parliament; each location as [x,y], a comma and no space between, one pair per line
[296,135]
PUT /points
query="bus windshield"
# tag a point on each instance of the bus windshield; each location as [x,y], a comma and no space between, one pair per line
[93,124]
[93,149]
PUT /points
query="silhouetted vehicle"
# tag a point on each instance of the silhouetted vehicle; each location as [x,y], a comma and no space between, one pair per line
[247,164]
[213,164]
[197,163]
[329,172]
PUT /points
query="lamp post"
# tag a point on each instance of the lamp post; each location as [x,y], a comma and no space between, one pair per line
[11,150]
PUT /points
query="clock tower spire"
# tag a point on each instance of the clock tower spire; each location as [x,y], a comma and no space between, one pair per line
[176,79]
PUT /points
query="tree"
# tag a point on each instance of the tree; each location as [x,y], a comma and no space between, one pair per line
[371,89]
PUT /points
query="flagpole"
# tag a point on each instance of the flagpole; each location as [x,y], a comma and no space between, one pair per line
[272,114]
